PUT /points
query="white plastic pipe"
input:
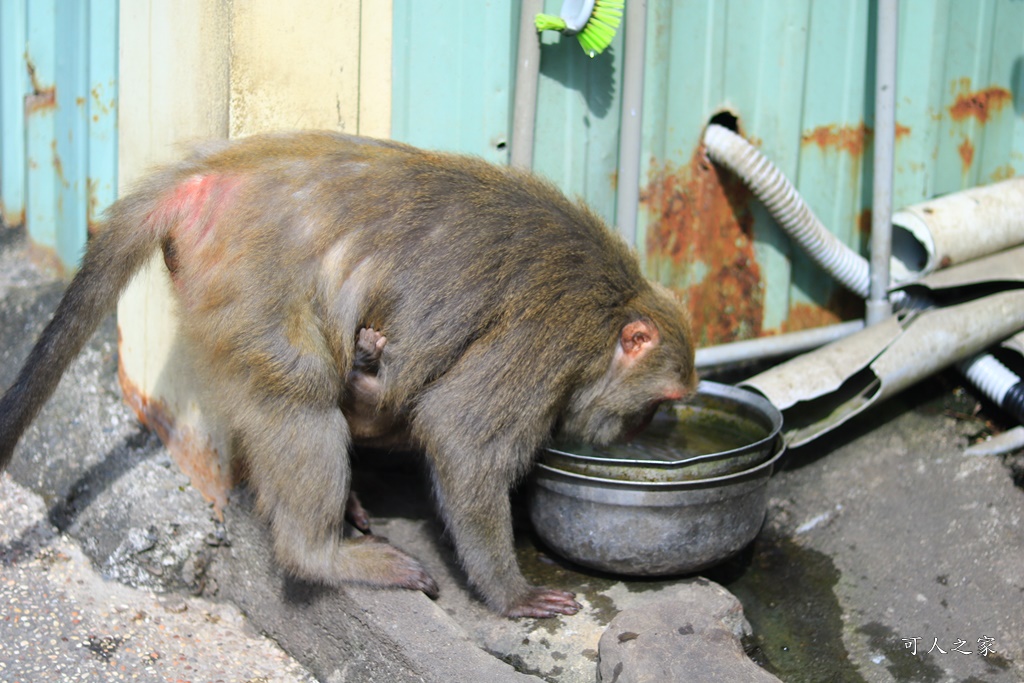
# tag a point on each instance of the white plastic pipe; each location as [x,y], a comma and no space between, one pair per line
[779,196]
[997,382]
[943,231]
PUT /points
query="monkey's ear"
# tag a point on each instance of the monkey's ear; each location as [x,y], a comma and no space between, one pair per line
[637,338]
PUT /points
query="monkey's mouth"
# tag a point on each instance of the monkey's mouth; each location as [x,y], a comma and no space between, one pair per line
[643,422]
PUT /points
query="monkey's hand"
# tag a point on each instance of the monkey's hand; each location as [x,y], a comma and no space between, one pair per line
[540,603]
[369,346]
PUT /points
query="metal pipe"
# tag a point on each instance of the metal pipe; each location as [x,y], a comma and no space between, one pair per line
[630,136]
[776,346]
[524,112]
[877,307]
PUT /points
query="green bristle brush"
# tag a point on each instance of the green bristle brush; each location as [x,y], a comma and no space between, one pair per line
[593,22]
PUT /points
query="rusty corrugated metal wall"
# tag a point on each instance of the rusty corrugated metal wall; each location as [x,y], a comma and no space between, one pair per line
[796,76]
[58,121]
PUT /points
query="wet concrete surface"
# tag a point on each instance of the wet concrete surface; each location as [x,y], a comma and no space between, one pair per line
[887,555]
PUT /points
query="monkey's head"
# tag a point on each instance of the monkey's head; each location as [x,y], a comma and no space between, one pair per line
[652,362]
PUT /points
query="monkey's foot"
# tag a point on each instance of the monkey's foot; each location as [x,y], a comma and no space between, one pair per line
[356,514]
[545,602]
[393,568]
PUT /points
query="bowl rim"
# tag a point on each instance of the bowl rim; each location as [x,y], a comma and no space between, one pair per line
[752,472]
[717,389]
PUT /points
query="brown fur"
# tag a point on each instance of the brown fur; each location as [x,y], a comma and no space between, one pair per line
[511,314]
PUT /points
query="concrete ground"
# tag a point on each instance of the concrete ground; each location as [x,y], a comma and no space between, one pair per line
[888,554]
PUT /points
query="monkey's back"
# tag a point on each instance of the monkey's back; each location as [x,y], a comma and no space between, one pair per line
[318,234]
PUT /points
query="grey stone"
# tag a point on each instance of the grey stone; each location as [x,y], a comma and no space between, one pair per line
[691,635]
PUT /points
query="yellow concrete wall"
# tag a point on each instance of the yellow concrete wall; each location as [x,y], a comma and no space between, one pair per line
[192,70]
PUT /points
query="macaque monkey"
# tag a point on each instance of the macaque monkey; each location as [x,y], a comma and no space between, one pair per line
[509,314]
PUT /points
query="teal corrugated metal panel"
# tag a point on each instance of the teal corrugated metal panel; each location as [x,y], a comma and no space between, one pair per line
[14,86]
[62,58]
[797,76]
[101,108]
[701,233]
[576,137]
[452,75]
[70,129]
[963,123]
[453,78]
[40,123]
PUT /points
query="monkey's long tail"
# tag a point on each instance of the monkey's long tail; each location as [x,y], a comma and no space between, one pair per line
[114,255]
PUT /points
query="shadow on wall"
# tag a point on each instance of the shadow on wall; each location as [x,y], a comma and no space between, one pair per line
[594,79]
[1017,85]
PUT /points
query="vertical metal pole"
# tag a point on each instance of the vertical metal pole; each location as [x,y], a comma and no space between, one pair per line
[878,307]
[524,111]
[630,137]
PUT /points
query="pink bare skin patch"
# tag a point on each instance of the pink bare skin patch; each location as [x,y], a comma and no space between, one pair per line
[194,208]
[197,202]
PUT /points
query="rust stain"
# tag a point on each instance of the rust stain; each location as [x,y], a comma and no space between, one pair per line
[198,460]
[30,67]
[58,165]
[804,316]
[702,223]
[47,260]
[842,306]
[864,222]
[91,203]
[966,150]
[99,106]
[42,97]
[1004,172]
[852,139]
[980,104]
[94,219]
[11,220]
[41,100]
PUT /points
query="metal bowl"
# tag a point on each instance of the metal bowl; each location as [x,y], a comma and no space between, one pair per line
[649,528]
[721,430]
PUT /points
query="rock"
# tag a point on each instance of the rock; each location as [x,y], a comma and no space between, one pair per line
[693,635]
